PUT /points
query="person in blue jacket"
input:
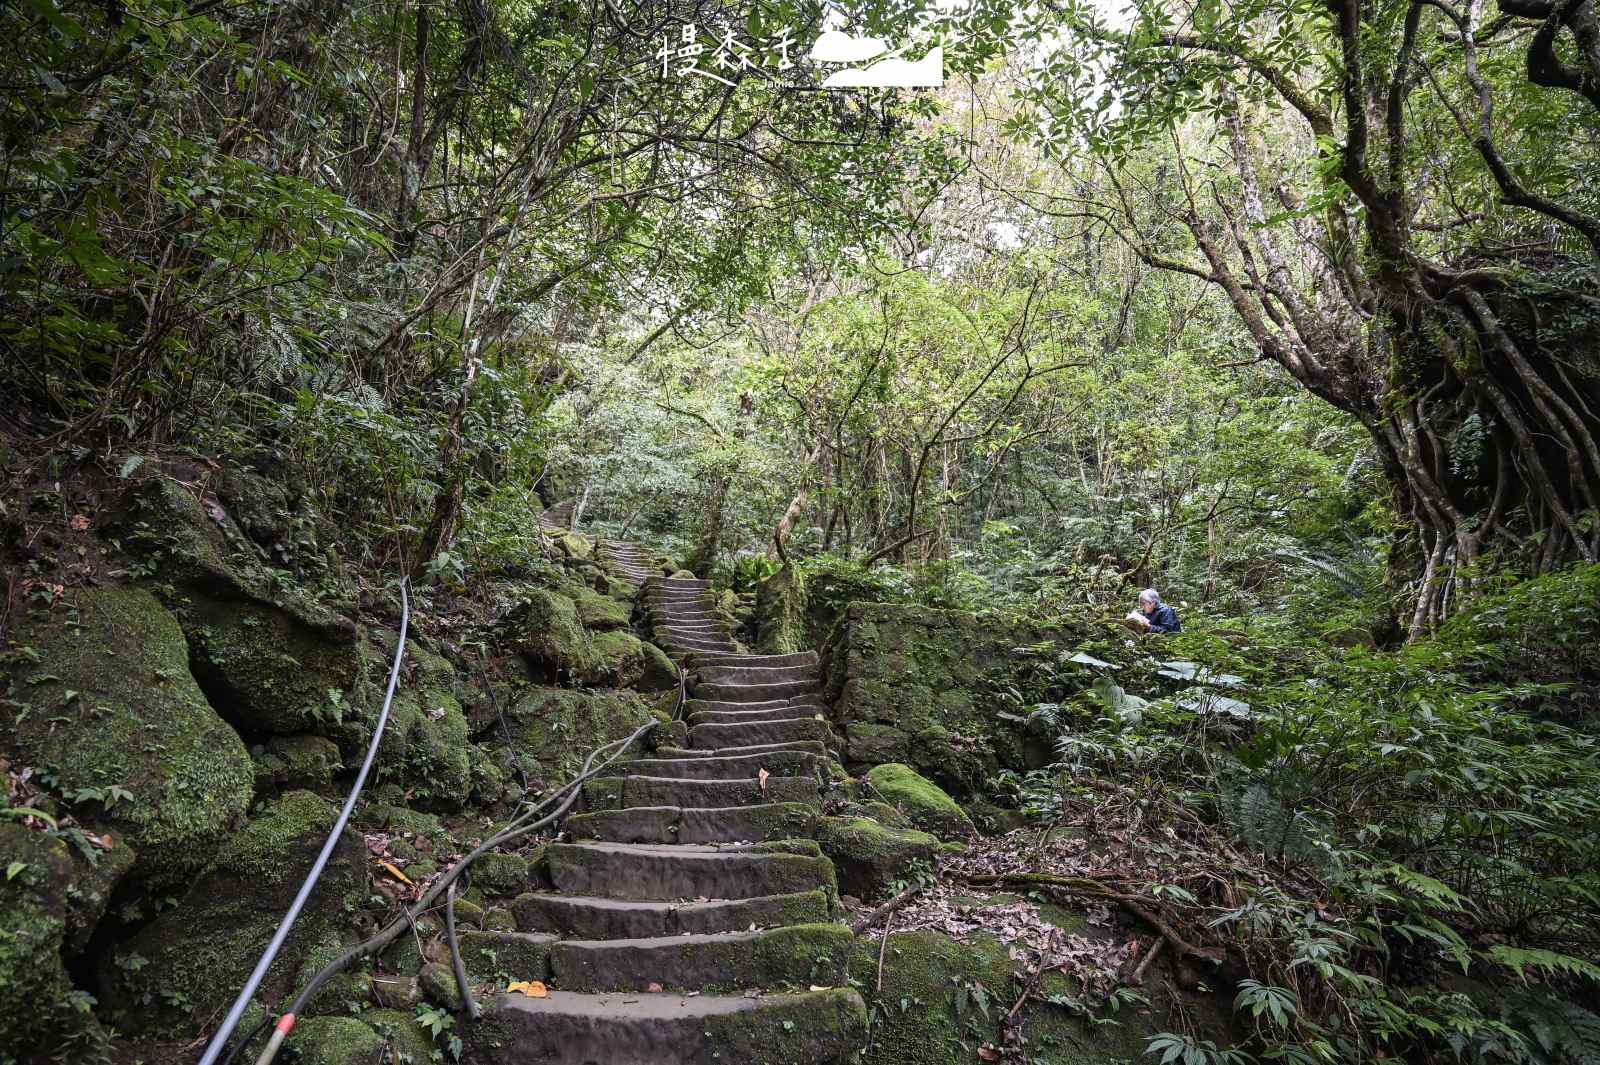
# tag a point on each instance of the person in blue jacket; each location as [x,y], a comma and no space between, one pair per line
[1153,615]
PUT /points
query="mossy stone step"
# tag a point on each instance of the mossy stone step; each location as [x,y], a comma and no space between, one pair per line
[697,824]
[716,736]
[612,793]
[595,917]
[692,628]
[754,693]
[685,644]
[791,956]
[725,767]
[695,706]
[686,871]
[741,717]
[799,658]
[720,674]
[668,751]
[568,1028]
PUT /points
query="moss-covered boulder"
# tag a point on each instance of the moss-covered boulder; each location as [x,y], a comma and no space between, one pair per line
[286,762]
[267,654]
[575,545]
[600,612]
[868,856]
[500,874]
[406,1039]
[922,686]
[335,1041]
[927,806]
[104,700]
[425,744]
[546,628]
[940,1000]
[35,1012]
[553,727]
[659,674]
[780,613]
[620,658]
[93,880]
[187,964]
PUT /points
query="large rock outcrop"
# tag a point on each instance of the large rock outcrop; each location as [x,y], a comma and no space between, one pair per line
[108,709]
[188,964]
[922,687]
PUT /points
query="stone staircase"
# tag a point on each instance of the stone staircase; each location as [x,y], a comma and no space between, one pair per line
[559,517]
[692,918]
[626,561]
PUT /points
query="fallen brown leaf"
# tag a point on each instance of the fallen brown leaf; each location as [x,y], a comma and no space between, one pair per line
[531,988]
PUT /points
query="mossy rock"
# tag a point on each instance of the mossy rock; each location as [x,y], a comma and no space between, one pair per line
[931,1007]
[387,817]
[619,658]
[91,888]
[335,1041]
[107,700]
[780,613]
[994,820]
[500,874]
[869,856]
[425,745]
[551,726]
[293,762]
[34,1009]
[183,967]
[549,632]
[928,806]
[575,545]
[266,653]
[660,673]
[406,1039]
[265,669]
[600,612]
[520,955]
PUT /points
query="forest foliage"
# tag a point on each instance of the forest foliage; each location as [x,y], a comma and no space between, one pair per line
[1289,310]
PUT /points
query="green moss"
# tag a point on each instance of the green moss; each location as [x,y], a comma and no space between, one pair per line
[297,762]
[34,1011]
[265,669]
[930,1009]
[619,658]
[870,856]
[405,1038]
[550,633]
[600,612]
[388,818]
[576,545]
[926,804]
[552,727]
[90,891]
[177,971]
[107,699]
[519,955]
[425,744]
[994,820]
[780,613]
[500,874]
[659,672]
[335,1041]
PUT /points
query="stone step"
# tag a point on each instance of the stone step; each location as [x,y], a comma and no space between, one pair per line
[718,674]
[799,658]
[672,611]
[724,767]
[616,793]
[686,871]
[677,824]
[569,1028]
[791,956]
[816,747]
[717,736]
[670,643]
[808,702]
[681,584]
[594,917]
[692,628]
[741,717]
[755,693]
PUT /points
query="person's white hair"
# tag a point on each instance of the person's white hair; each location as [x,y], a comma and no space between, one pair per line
[1149,595]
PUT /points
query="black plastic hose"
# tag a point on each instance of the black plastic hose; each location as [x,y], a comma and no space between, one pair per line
[231,1021]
